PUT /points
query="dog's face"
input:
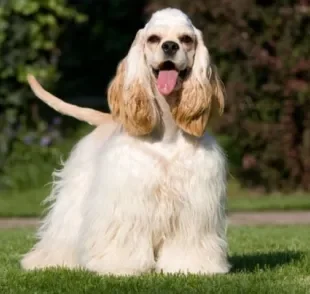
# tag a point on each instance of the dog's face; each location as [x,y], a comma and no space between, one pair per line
[168,57]
[170,51]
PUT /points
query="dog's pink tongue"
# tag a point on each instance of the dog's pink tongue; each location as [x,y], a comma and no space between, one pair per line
[166,81]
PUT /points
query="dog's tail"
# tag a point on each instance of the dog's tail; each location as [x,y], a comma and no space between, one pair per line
[91,116]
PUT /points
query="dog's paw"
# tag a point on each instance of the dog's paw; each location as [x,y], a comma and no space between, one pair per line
[44,258]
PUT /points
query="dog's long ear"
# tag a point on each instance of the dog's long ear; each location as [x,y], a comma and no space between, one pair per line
[115,91]
[218,94]
[130,94]
[202,96]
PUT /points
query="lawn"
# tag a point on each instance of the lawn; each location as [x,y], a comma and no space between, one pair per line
[265,259]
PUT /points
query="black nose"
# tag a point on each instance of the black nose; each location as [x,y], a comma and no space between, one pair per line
[170,47]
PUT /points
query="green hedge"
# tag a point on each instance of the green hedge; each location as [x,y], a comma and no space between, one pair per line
[260,47]
[73,58]
[91,51]
[262,51]
[29,31]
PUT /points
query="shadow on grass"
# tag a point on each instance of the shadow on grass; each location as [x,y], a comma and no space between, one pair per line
[258,261]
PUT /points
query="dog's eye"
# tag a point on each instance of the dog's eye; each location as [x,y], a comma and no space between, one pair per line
[153,39]
[186,39]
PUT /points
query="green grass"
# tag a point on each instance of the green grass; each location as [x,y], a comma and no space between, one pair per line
[270,203]
[23,203]
[265,259]
[28,203]
[240,199]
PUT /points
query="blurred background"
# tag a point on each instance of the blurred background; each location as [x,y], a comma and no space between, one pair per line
[261,49]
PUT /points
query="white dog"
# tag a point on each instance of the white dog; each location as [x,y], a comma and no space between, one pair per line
[145,190]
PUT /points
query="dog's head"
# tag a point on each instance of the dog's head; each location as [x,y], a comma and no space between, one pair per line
[168,58]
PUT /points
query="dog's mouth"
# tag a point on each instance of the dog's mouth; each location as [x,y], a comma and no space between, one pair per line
[167,76]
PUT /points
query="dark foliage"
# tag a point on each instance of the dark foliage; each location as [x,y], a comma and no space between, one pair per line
[262,51]
[92,50]
[29,32]
[260,47]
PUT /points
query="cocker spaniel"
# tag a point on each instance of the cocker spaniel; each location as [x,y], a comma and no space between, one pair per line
[146,189]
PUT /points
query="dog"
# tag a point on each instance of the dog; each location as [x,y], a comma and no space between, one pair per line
[146,189]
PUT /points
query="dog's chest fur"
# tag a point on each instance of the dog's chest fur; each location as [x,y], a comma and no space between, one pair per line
[163,171]
[174,171]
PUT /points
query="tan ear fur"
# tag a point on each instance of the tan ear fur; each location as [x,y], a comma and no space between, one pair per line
[192,111]
[139,112]
[132,103]
[115,91]
[199,105]
[202,95]
[218,95]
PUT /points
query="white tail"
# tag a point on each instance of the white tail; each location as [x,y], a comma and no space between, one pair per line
[91,116]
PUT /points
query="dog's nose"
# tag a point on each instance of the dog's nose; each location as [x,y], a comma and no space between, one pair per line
[170,47]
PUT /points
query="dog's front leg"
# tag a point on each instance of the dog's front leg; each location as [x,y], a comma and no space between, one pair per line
[116,234]
[197,241]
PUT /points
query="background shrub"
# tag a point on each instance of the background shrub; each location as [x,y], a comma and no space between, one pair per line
[73,58]
[92,50]
[29,31]
[260,47]
[262,51]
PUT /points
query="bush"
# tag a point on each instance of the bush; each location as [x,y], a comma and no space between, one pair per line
[29,31]
[92,50]
[262,51]
[81,58]
[31,164]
